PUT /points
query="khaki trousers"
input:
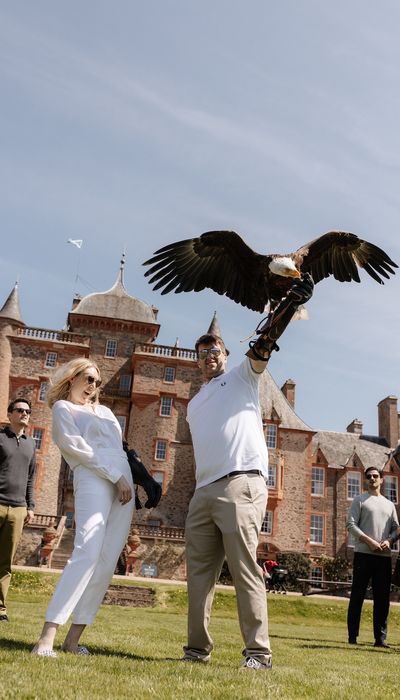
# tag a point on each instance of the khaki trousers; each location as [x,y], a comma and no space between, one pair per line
[224,520]
[11,524]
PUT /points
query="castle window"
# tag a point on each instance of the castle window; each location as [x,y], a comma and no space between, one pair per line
[317,481]
[353,485]
[111,348]
[266,527]
[271,435]
[169,375]
[51,359]
[317,529]
[37,434]
[43,390]
[390,488]
[166,406]
[317,575]
[122,421]
[271,481]
[161,450]
[125,384]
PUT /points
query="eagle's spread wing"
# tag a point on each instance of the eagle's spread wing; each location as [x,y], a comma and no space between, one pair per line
[219,260]
[338,253]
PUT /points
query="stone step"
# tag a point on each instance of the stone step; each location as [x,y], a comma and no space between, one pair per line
[64,549]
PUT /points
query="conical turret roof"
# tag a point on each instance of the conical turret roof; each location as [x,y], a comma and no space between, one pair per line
[10,309]
[214,328]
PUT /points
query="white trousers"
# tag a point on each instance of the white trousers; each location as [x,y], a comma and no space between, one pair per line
[102,528]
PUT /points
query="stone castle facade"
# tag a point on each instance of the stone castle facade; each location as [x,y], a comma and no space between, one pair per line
[313,475]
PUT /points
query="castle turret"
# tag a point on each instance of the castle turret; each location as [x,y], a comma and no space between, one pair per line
[10,319]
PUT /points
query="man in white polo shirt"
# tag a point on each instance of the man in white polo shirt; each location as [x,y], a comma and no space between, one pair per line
[228,506]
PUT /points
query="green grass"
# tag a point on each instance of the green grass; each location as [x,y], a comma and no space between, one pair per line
[136,652]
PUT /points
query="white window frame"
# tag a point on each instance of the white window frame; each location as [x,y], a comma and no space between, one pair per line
[160,452]
[111,348]
[272,476]
[122,421]
[38,438]
[172,372]
[389,481]
[350,490]
[51,359]
[271,435]
[315,528]
[43,391]
[317,579]
[268,523]
[166,403]
[317,483]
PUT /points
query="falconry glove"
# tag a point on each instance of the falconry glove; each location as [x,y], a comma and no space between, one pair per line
[141,477]
[278,320]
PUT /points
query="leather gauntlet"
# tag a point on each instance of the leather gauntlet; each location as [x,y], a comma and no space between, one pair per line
[278,320]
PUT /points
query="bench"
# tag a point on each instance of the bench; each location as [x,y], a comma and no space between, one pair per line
[310,586]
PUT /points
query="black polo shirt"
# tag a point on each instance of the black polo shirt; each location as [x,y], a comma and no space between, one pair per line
[17,469]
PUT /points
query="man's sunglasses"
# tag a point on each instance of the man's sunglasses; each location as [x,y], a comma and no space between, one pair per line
[23,410]
[215,352]
[373,476]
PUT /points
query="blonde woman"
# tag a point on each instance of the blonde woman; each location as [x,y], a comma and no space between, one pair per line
[89,438]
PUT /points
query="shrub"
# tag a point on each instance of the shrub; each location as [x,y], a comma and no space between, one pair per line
[32,582]
[297,565]
[335,568]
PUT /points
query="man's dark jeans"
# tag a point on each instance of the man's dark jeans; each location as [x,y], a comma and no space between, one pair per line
[377,569]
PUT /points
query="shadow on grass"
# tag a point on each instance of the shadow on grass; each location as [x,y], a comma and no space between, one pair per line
[351,648]
[18,645]
[334,644]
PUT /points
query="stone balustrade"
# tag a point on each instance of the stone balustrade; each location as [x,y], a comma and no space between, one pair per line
[166,351]
[54,336]
[165,533]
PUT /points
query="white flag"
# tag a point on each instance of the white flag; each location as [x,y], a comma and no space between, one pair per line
[78,242]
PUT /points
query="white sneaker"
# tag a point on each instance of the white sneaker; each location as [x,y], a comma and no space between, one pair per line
[256,664]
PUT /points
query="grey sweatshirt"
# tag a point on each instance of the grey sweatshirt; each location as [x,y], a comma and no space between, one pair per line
[374,516]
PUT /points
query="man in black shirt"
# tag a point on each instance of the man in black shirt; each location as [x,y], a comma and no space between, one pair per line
[17,473]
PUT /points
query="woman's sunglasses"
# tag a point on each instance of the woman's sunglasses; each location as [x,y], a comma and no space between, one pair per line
[92,380]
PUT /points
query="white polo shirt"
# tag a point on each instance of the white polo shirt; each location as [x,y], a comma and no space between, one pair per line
[226,426]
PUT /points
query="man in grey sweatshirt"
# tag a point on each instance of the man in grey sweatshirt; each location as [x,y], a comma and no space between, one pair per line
[373,522]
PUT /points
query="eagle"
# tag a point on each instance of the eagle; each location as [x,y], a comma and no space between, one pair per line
[223,262]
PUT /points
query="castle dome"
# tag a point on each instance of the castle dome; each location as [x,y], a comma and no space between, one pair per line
[116,303]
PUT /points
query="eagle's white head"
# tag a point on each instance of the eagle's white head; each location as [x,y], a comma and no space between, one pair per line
[284,267]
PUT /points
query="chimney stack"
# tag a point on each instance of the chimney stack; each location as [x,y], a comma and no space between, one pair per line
[355,426]
[289,391]
[388,421]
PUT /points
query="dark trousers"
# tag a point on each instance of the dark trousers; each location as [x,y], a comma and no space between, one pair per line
[378,570]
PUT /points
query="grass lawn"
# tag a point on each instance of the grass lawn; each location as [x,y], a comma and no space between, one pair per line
[136,652]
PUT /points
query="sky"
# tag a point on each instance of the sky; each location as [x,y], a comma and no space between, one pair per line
[132,124]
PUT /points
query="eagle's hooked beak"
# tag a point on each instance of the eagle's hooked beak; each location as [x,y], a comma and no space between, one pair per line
[294,273]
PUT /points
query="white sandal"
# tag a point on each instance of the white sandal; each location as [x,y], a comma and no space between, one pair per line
[44,652]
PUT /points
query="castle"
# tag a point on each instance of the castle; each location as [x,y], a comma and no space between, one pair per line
[313,476]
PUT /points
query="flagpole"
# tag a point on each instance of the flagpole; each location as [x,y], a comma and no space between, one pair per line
[78,244]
